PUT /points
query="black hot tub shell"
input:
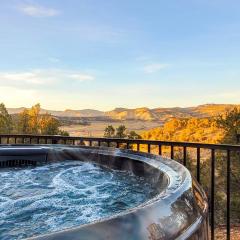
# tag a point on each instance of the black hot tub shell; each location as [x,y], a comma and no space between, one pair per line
[179,210]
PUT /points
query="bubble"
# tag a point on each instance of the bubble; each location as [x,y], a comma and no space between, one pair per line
[62,195]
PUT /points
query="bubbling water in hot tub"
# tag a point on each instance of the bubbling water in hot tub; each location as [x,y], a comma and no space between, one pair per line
[64,194]
[97,193]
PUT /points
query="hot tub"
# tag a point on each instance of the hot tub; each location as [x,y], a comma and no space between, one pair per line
[69,192]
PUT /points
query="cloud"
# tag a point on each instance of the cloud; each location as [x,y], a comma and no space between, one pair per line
[38,11]
[42,78]
[154,67]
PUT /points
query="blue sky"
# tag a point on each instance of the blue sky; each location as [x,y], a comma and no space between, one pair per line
[119,53]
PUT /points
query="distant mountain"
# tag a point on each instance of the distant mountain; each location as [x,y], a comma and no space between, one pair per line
[15,110]
[65,113]
[81,113]
[164,114]
[201,111]
[144,114]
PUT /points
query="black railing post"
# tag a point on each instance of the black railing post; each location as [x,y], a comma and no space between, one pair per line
[149,148]
[159,149]
[198,165]
[228,193]
[172,152]
[184,155]
[138,147]
[212,193]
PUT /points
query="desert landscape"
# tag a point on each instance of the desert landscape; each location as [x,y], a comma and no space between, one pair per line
[90,122]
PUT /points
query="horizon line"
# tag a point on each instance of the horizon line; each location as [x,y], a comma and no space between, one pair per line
[122,107]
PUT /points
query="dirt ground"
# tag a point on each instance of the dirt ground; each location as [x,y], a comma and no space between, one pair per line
[96,129]
[220,233]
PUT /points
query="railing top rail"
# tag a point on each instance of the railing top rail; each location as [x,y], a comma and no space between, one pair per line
[129,141]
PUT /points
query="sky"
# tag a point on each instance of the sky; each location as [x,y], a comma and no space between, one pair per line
[102,54]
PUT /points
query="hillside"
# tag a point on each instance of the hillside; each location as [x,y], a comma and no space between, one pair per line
[187,130]
[81,113]
[161,115]
[201,111]
[144,114]
[65,113]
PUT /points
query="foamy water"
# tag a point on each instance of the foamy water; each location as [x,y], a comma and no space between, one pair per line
[57,196]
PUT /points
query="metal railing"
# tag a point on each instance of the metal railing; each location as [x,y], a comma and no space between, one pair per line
[173,148]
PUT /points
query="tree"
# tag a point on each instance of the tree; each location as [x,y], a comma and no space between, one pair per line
[63,133]
[34,121]
[23,122]
[49,125]
[230,123]
[120,131]
[31,121]
[109,131]
[6,124]
[134,135]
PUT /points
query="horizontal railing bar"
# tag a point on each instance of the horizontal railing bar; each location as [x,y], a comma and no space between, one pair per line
[130,141]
